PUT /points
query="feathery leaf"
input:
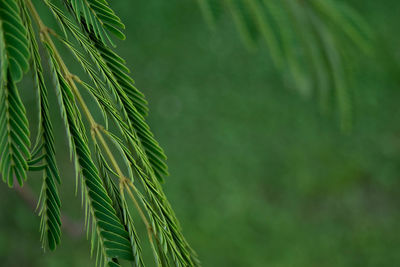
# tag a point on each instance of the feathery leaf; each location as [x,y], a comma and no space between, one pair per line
[44,152]
[14,129]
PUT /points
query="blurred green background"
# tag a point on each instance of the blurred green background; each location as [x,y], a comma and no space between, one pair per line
[258,176]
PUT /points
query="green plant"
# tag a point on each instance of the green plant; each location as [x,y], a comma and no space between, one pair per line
[296,32]
[311,42]
[86,30]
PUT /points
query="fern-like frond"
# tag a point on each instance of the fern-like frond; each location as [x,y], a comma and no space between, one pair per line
[14,133]
[14,130]
[43,155]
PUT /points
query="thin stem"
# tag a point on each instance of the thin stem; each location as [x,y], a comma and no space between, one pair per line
[141,213]
[149,228]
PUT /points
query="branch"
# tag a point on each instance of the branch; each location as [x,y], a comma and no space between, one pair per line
[72,228]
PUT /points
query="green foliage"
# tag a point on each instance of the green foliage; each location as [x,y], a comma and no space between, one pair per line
[43,156]
[112,239]
[119,86]
[85,32]
[14,40]
[14,130]
[310,41]
[14,133]
[134,104]
[97,17]
[255,170]
[109,190]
